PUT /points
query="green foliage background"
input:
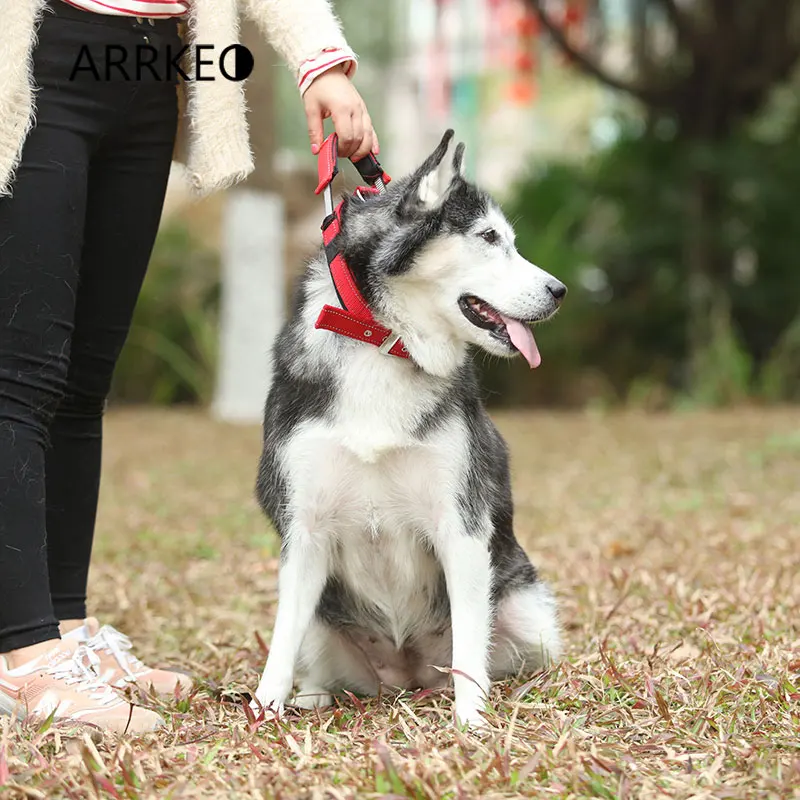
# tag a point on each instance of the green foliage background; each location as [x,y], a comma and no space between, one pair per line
[612,228]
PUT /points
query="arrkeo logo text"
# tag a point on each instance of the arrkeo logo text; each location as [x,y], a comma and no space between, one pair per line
[132,64]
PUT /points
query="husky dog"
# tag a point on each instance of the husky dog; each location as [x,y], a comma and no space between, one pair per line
[385,478]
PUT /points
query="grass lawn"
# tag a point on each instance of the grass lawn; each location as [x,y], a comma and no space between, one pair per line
[673,543]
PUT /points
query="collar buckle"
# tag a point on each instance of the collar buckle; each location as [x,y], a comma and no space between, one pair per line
[388,343]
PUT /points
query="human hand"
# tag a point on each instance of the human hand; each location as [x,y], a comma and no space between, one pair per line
[333,95]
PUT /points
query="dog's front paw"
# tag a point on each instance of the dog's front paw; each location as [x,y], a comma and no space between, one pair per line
[471,719]
[271,695]
[270,706]
[271,709]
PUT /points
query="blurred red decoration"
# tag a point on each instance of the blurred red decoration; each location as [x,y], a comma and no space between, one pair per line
[523,93]
[573,15]
[528,26]
[524,62]
[523,90]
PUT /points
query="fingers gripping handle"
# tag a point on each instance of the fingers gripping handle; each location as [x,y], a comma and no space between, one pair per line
[327,166]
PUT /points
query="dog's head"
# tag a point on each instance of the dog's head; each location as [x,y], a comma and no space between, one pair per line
[435,258]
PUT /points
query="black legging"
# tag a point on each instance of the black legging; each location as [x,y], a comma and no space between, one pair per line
[75,239]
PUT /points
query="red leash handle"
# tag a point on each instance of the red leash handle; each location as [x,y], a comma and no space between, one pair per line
[328,168]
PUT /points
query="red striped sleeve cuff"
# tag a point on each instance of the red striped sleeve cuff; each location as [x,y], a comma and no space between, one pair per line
[312,68]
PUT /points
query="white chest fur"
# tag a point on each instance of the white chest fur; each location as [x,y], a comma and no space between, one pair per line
[362,484]
[362,467]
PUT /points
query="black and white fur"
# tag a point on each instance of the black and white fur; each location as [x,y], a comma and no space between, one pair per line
[386,479]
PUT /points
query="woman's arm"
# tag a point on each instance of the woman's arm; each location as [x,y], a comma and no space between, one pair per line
[307,34]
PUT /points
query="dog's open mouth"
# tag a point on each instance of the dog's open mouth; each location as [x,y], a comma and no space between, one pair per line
[512,332]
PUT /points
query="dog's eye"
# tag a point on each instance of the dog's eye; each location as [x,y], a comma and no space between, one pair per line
[491,236]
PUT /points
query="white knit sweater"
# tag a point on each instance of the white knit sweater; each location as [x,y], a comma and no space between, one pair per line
[215,140]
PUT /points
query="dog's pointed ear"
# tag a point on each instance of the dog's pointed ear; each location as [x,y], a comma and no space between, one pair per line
[428,187]
[437,184]
[458,161]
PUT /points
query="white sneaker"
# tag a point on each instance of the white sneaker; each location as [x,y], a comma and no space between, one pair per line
[65,682]
[119,667]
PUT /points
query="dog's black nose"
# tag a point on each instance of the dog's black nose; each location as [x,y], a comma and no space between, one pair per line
[558,290]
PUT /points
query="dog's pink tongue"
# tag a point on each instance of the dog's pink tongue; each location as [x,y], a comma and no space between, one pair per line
[522,338]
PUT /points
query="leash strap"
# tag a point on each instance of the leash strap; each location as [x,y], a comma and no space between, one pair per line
[354,319]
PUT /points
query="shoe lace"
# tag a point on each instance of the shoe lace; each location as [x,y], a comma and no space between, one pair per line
[79,670]
[116,643]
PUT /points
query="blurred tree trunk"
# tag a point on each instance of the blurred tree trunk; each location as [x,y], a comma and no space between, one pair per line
[705,267]
[253,256]
[706,66]
[260,92]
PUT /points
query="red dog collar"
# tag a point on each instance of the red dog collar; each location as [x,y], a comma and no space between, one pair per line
[354,319]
